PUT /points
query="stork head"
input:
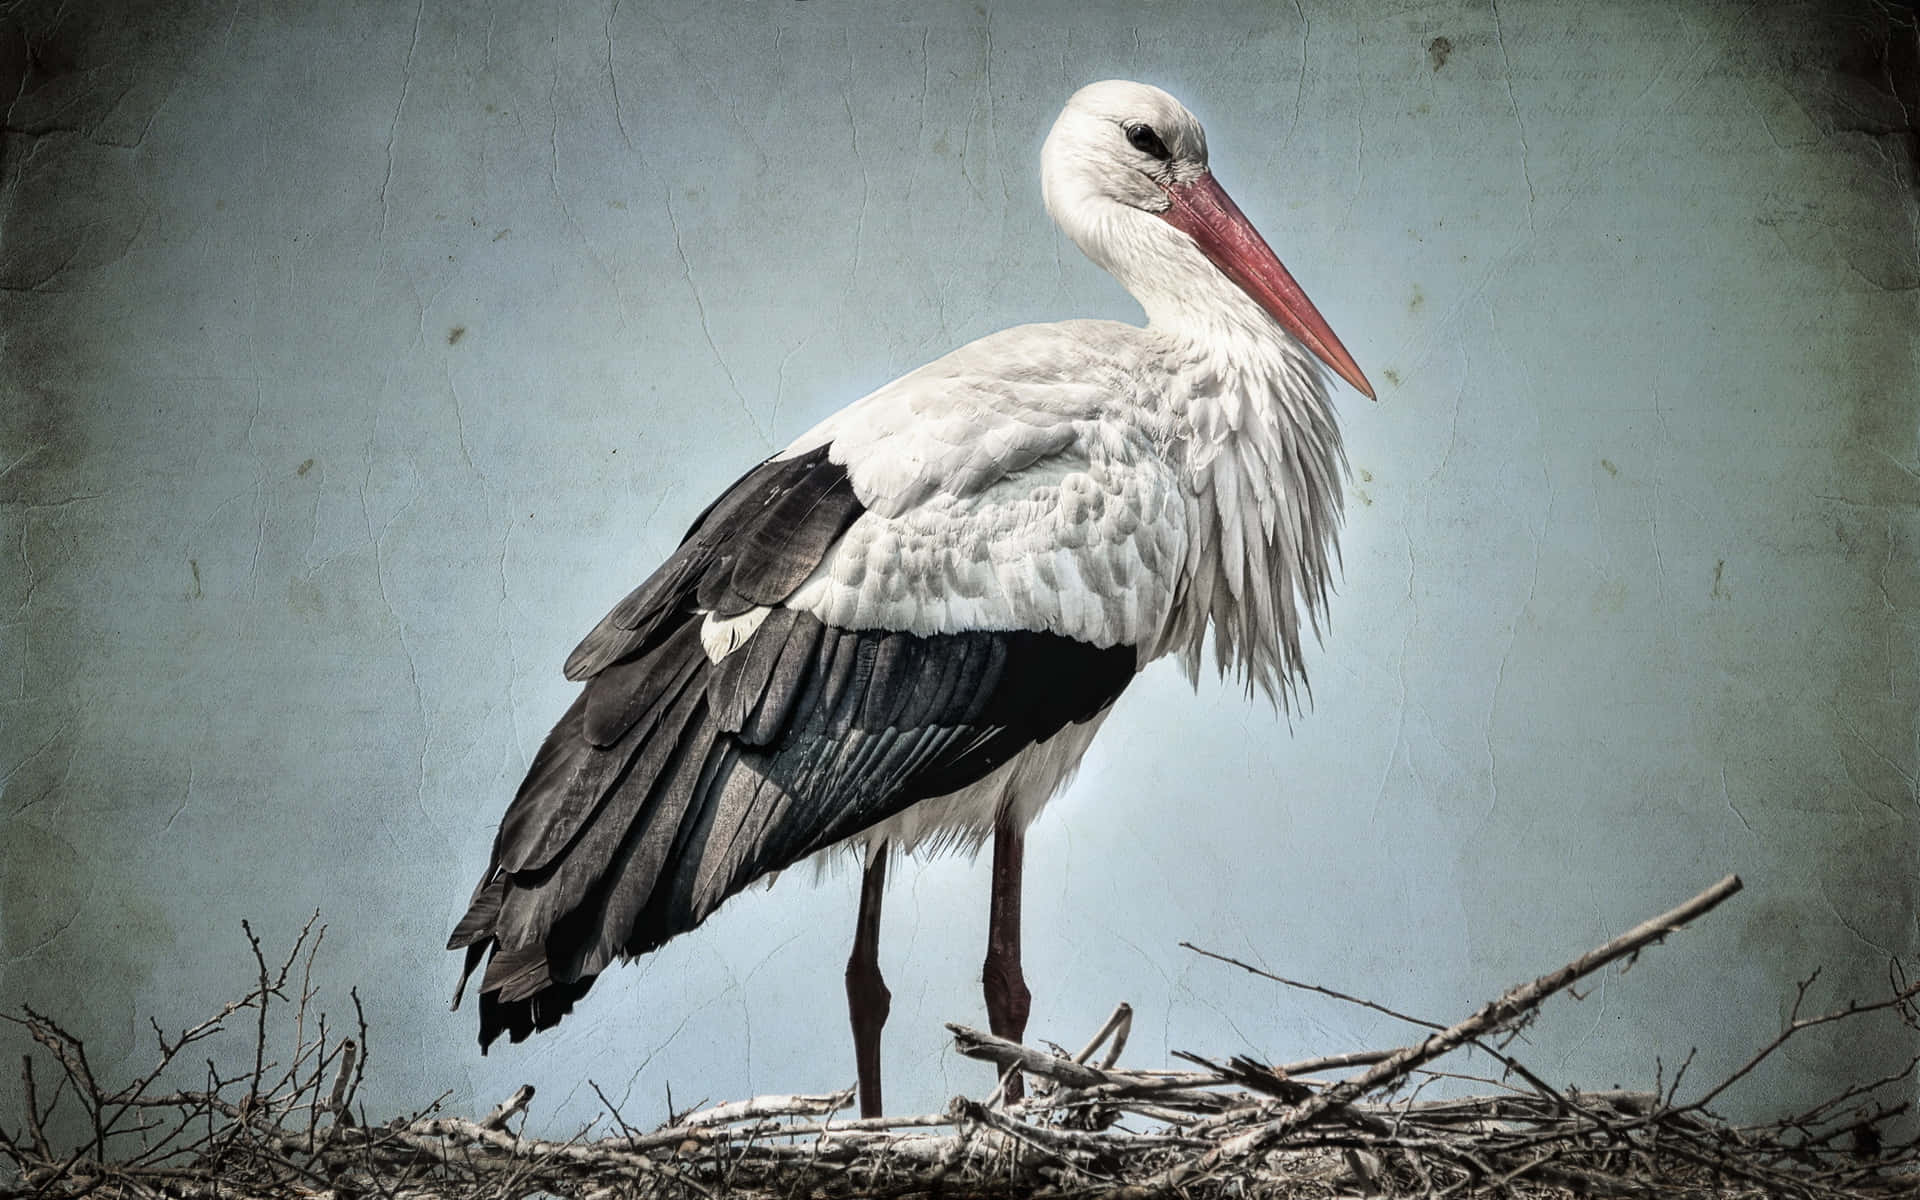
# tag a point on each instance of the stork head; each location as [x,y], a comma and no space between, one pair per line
[1125,174]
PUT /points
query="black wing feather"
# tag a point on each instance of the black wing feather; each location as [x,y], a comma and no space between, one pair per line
[740,680]
[769,531]
[673,782]
[784,687]
[800,526]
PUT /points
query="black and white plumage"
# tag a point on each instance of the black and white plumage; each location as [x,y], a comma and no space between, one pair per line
[685,770]
[906,627]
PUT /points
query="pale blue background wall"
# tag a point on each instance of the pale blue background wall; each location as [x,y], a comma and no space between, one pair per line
[356,358]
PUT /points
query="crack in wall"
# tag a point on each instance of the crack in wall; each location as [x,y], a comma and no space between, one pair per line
[706,325]
[1519,123]
[393,130]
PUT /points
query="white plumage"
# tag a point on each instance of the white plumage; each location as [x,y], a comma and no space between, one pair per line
[1046,505]
[906,628]
[1114,484]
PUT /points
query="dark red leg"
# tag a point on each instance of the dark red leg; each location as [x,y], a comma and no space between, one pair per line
[867,996]
[1008,1000]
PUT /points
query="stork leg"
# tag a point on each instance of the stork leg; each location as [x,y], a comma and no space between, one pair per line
[868,999]
[1008,1000]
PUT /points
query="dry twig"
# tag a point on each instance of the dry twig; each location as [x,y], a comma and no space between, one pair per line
[1225,1129]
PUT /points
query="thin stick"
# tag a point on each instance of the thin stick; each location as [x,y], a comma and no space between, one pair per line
[1795,1024]
[337,1101]
[1119,1043]
[507,1109]
[1118,1023]
[1329,1062]
[997,1050]
[32,1098]
[1311,987]
[1516,1003]
[260,1041]
[613,1110]
[769,1106]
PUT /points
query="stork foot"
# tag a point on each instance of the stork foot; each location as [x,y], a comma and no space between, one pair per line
[1008,1000]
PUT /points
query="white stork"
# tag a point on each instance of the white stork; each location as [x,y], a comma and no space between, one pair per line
[904,629]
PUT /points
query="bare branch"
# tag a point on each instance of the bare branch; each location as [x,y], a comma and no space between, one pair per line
[1230,1128]
[507,1109]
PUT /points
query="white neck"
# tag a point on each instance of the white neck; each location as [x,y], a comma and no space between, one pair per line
[1255,438]
[1264,463]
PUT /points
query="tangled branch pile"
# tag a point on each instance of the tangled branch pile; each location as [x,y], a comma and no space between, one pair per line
[1332,1126]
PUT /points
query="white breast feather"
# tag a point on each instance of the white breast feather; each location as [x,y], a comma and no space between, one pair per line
[1111,484]
[1085,551]
[1014,484]
[1265,462]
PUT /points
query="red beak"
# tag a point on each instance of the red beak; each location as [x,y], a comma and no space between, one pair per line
[1204,212]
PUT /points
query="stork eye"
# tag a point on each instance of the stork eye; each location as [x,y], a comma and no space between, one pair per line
[1145,140]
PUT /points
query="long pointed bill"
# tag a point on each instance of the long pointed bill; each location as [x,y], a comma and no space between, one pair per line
[1204,212]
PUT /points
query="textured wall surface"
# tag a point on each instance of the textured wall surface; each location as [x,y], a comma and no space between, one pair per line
[355,358]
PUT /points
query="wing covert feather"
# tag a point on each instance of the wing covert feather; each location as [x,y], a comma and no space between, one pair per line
[766,535]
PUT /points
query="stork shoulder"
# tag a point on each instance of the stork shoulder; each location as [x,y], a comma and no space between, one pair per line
[1018,483]
[1084,546]
[989,410]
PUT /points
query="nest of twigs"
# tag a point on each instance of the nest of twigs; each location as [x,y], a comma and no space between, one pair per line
[1340,1125]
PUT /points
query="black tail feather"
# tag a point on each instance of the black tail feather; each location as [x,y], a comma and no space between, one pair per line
[520,1018]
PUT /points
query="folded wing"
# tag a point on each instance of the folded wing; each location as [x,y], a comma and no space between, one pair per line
[680,775]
